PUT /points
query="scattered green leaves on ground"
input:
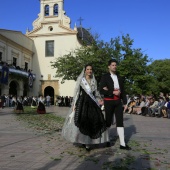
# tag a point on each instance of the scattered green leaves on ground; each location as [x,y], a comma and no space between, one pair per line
[45,123]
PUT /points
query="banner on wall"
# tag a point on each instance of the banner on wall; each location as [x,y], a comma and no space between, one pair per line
[4,74]
[30,80]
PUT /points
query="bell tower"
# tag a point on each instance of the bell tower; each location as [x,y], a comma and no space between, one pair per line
[52,37]
[51,11]
[51,8]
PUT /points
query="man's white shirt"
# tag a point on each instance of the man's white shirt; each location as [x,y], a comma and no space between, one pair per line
[115,80]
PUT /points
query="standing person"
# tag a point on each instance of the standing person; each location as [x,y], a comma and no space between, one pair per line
[30,100]
[59,101]
[25,101]
[112,87]
[62,101]
[85,122]
[14,101]
[3,100]
[48,99]
[41,106]
[7,100]
[19,107]
[66,101]
[1,103]
[34,102]
[10,100]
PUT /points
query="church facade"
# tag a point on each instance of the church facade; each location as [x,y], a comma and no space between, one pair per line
[50,38]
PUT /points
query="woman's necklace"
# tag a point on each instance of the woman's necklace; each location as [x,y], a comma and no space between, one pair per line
[88,80]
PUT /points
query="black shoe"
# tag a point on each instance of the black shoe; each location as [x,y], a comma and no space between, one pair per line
[86,147]
[108,144]
[125,147]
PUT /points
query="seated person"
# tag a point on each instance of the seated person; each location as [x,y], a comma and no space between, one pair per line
[153,107]
[145,109]
[166,108]
[126,107]
[161,104]
[130,106]
[138,109]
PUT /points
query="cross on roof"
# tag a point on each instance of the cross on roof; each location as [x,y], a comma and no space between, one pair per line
[80,19]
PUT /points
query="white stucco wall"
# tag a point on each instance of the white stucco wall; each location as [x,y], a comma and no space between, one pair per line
[33,43]
[11,46]
[18,38]
[42,66]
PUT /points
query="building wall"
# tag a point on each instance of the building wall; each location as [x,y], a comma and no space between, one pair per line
[65,40]
[10,47]
[42,66]
[31,48]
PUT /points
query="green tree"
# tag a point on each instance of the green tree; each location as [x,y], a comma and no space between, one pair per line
[70,65]
[159,71]
[132,63]
[133,67]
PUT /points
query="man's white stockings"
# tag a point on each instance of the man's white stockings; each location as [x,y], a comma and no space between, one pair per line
[120,131]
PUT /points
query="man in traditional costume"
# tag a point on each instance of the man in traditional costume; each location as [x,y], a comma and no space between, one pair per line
[112,87]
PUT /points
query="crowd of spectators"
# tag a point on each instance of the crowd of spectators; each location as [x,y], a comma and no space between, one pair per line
[152,106]
[11,100]
[64,101]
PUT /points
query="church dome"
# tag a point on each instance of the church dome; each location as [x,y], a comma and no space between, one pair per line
[84,36]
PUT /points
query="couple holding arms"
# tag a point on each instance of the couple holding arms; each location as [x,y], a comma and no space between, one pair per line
[85,123]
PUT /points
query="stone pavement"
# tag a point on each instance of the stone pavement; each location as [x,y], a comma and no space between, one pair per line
[22,148]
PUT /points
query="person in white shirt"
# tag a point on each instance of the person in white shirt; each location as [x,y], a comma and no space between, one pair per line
[112,87]
[48,98]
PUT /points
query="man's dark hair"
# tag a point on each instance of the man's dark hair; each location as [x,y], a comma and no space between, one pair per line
[112,61]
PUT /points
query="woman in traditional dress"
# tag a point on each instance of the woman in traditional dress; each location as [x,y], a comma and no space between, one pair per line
[41,106]
[25,101]
[34,103]
[19,107]
[85,123]
[14,101]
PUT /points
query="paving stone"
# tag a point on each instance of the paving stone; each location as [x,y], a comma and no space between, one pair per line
[23,149]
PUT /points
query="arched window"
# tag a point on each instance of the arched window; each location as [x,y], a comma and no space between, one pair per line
[46,10]
[55,9]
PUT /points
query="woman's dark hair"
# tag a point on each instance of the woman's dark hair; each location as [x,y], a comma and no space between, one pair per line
[167,99]
[87,66]
[112,61]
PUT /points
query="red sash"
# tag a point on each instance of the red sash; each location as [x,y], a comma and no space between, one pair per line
[114,97]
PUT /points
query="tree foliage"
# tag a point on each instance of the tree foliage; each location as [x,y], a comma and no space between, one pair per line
[159,72]
[133,67]
[70,65]
[132,62]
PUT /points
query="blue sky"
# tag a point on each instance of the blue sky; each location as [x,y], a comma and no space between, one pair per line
[146,21]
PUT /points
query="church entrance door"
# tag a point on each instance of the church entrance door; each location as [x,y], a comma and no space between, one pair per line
[49,91]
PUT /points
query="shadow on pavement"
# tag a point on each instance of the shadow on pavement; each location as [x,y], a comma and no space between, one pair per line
[49,165]
[115,159]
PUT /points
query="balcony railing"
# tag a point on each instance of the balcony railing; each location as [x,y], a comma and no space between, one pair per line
[20,72]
